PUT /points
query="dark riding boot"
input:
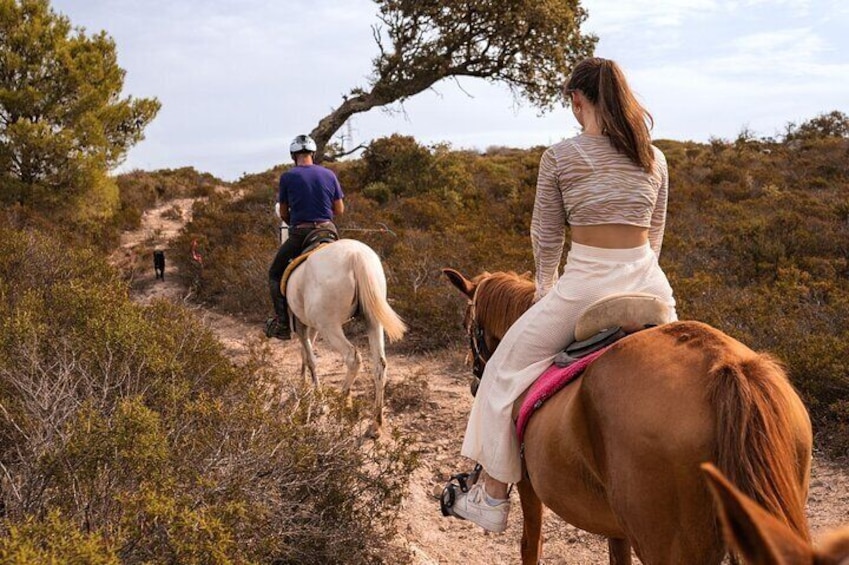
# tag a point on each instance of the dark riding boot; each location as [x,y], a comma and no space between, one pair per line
[278,326]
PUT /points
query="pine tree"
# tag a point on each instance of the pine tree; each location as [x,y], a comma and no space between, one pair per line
[63,123]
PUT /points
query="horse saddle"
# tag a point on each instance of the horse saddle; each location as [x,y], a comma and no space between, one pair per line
[603,323]
[316,237]
[314,241]
[610,319]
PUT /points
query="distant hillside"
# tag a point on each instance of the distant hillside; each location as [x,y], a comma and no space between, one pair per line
[757,241]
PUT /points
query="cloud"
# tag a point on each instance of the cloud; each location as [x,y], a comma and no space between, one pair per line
[635,15]
[796,57]
[797,7]
[238,79]
[774,49]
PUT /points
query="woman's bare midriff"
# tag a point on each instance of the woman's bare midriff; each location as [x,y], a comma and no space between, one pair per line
[610,236]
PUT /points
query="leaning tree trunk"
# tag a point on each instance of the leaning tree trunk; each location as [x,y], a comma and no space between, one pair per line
[331,123]
[383,93]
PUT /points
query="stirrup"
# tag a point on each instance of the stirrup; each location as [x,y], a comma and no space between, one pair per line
[271,327]
[462,481]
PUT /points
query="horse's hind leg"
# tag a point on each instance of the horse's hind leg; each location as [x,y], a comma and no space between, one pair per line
[667,514]
[378,360]
[532,523]
[620,551]
[339,343]
[308,354]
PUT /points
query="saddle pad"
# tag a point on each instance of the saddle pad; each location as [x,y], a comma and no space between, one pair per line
[294,264]
[549,382]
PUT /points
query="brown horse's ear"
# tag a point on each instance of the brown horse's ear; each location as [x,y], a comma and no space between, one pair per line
[759,537]
[466,286]
[835,546]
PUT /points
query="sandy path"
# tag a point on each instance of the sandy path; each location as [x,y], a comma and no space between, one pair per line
[437,427]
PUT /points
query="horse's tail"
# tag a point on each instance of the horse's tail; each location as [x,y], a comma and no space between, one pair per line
[371,294]
[756,446]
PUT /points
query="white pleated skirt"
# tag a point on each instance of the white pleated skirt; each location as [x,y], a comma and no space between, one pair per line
[529,347]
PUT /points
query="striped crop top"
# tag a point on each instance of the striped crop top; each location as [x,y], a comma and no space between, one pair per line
[585,181]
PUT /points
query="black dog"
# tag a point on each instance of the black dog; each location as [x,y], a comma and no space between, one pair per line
[159,263]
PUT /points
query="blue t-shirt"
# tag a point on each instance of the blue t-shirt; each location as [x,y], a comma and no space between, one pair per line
[309,190]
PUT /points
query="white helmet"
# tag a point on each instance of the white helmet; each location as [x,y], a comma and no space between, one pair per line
[302,144]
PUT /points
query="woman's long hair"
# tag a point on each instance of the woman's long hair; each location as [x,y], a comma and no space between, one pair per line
[622,118]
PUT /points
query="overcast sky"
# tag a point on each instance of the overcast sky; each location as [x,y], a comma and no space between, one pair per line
[239,78]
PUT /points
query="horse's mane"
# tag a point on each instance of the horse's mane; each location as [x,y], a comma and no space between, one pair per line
[500,298]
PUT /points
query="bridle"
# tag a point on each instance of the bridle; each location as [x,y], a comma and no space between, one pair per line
[477,341]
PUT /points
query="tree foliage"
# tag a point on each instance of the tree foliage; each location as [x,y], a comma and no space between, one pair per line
[832,124]
[63,124]
[529,46]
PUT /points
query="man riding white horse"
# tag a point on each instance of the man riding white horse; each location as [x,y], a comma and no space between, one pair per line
[309,198]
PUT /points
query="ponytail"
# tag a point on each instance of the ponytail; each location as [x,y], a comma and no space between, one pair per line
[624,120]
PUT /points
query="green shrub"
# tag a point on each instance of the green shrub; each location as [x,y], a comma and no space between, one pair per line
[131,424]
[378,191]
[400,163]
[237,241]
[54,540]
[832,124]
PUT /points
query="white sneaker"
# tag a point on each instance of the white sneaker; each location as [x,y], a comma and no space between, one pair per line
[473,506]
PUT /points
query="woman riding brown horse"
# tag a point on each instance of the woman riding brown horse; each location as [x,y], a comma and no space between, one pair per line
[617,452]
[609,185]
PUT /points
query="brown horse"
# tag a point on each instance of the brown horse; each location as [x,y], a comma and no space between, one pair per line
[760,539]
[617,452]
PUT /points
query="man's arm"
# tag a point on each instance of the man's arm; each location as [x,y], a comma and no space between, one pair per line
[338,205]
[282,200]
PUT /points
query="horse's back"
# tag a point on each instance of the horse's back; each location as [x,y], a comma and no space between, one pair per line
[677,379]
[644,417]
[663,383]
[337,265]
[324,288]
[654,385]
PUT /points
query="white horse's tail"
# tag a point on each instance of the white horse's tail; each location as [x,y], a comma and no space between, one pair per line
[371,293]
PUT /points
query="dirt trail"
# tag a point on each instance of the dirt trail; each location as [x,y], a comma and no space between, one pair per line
[437,429]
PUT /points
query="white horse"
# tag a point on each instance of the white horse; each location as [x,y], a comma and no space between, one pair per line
[328,289]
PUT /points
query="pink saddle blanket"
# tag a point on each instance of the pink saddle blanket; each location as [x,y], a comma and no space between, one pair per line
[552,379]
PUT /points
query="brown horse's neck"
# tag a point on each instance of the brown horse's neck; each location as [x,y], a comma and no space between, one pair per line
[500,298]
